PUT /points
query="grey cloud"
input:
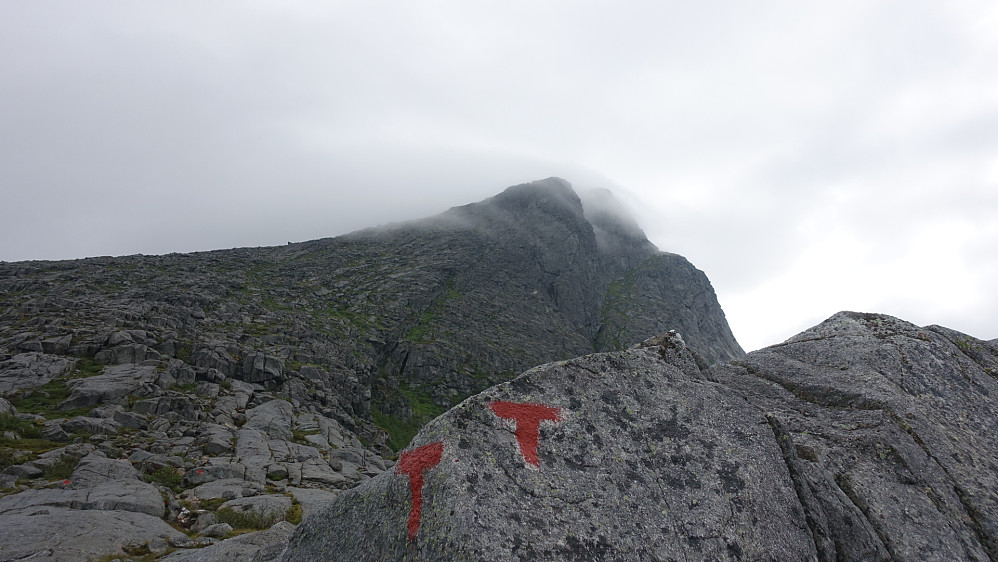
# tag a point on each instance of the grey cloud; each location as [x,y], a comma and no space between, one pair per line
[742,135]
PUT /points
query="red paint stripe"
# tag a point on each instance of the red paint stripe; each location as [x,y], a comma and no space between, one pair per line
[414,463]
[528,418]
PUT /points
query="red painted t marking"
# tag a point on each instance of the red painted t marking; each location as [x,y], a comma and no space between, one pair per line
[414,463]
[528,418]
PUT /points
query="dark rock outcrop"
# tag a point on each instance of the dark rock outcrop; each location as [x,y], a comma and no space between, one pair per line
[864,438]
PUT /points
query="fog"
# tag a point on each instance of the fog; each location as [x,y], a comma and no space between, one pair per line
[809,158]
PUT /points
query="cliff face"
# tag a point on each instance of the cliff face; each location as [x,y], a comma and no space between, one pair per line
[864,438]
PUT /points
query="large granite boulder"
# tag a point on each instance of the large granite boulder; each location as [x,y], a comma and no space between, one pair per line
[632,455]
[864,438]
[889,431]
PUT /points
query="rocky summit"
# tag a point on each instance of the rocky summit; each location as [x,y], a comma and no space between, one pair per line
[198,406]
[864,438]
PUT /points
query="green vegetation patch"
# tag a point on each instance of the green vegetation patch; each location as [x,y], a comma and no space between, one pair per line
[298,436]
[44,399]
[420,332]
[24,428]
[86,367]
[402,431]
[61,469]
[251,520]
[167,476]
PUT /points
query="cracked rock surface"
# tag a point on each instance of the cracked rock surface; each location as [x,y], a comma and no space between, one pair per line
[863,438]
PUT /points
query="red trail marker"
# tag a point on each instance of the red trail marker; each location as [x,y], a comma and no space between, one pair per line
[414,463]
[528,418]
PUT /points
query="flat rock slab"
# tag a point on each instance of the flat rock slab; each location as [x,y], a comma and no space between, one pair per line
[274,418]
[97,483]
[312,500]
[31,370]
[263,546]
[622,456]
[266,506]
[230,488]
[71,535]
[109,387]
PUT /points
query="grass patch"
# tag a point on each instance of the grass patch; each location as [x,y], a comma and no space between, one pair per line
[298,436]
[294,514]
[212,504]
[249,519]
[36,446]
[184,351]
[401,431]
[167,476]
[62,469]
[419,332]
[7,458]
[24,428]
[185,387]
[86,367]
[43,400]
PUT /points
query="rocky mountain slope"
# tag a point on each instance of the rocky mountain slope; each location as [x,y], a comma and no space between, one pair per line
[864,438]
[161,403]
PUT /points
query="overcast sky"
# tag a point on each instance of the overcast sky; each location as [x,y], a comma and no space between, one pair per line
[810,157]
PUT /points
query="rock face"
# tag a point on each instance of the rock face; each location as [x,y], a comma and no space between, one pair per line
[864,438]
[893,431]
[629,455]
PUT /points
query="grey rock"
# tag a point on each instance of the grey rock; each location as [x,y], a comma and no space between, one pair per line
[218,468]
[75,450]
[6,408]
[260,367]
[312,500]
[96,483]
[639,305]
[204,520]
[53,431]
[7,482]
[262,546]
[175,404]
[61,534]
[254,454]
[128,353]
[57,345]
[274,418]
[892,429]
[218,530]
[218,440]
[31,370]
[267,507]
[131,420]
[128,495]
[318,472]
[229,488]
[23,471]
[112,386]
[193,542]
[648,460]
[89,425]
